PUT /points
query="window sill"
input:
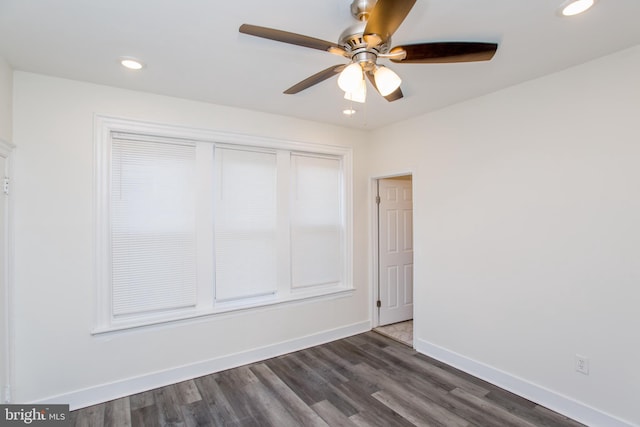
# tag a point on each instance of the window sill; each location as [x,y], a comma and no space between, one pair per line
[225,308]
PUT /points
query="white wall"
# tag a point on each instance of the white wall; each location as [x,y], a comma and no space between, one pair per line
[6,97]
[527,244]
[55,353]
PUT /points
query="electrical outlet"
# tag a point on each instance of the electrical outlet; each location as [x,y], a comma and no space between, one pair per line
[582,364]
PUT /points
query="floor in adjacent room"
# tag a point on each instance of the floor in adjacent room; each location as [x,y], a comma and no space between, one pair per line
[402,332]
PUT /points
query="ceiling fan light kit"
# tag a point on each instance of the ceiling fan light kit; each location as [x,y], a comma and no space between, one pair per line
[350,78]
[359,94]
[368,41]
[386,80]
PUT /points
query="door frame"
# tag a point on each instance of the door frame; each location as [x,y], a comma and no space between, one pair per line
[375,247]
[6,285]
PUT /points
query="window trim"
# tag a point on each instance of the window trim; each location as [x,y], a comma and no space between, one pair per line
[105,125]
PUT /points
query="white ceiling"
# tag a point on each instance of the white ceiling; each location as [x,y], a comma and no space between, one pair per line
[193,49]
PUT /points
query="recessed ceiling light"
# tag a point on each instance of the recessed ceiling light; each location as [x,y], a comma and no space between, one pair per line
[575,7]
[130,63]
[349,112]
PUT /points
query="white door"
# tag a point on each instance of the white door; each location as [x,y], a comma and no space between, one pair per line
[395,245]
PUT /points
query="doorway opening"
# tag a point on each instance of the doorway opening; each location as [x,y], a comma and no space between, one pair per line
[393,257]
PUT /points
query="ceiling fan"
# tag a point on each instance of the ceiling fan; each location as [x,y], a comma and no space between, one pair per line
[369,40]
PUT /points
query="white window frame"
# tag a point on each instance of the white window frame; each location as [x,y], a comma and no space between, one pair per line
[207,140]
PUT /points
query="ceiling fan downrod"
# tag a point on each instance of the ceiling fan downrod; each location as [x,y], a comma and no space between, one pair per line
[361,9]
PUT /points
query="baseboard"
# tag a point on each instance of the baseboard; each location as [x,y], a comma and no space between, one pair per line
[105,392]
[540,395]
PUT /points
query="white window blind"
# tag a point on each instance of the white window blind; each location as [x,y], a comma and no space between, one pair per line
[316,220]
[245,223]
[153,225]
[192,222]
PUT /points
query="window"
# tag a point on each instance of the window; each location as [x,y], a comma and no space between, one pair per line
[316,224]
[153,229]
[193,223]
[246,224]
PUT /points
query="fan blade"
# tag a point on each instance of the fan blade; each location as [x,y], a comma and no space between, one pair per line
[315,79]
[443,52]
[385,18]
[393,96]
[291,38]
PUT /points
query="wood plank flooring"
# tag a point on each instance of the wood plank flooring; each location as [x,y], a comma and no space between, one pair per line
[364,380]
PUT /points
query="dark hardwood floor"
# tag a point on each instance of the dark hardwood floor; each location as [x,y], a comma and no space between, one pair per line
[364,380]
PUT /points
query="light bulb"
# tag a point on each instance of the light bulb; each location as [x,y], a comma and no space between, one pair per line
[386,80]
[132,64]
[577,6]
[350,78]
[359,95]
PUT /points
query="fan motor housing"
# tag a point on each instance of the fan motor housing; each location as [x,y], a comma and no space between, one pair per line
[352,40]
